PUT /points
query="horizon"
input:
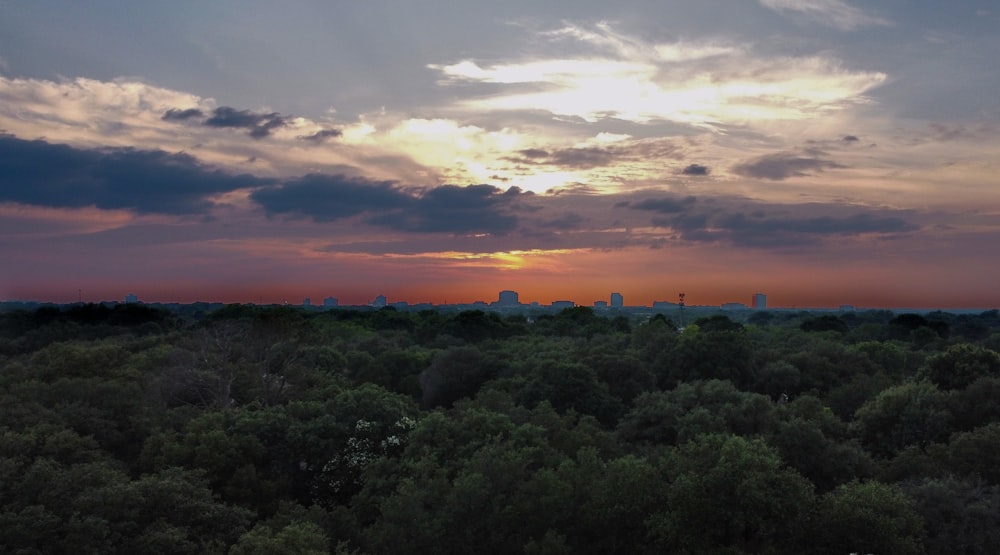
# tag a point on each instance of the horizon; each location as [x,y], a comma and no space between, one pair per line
[825,152]
[317,303]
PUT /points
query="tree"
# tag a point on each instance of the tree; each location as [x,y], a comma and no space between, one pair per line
[732,494]
[866,517]
[823,323]
[959,516]
[722,355]
[456,373]
[569,386]
[914,413]
[975,453]
[298,538]
[961,365]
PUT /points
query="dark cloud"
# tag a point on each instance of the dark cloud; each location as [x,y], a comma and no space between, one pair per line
[322,135]
[444,209]
[43,174]
[570,220]
[259,124]
[696,169]
[850,139]
[665,204]
[582,158]
[578,158]
[764,231]
[326,198]
[181,115]
[783,165]
[534,153]
[453,209]
[748,223]
[590,157]
[573,189]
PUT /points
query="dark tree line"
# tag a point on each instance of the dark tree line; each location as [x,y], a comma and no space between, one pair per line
[251,430]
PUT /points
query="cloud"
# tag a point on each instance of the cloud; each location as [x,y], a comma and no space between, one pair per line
[664,204]
[458,210]
[567,221]
[782,165]
[260,124]
[758,224]
[176,114]
[326,198]
[590,157]
[146,181]
[832,13]
[627,78]
[577,158]
[695,169]
[322,135]
[762,230]
[443,209]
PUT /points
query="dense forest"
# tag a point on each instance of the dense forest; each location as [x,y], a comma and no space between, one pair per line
[260,430]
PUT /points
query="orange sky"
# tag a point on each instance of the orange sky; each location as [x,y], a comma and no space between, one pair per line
[563,152]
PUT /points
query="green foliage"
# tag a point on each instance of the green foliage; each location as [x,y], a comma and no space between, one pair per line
[959,516]
[733,494]
[867,517]
[706,355]
[279,430]
[961,365]
[823,323]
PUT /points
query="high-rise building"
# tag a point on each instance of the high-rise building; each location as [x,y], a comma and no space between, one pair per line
[380,301]
[508,298]
[131,298]
[759,301]
[617,301]
[330,302]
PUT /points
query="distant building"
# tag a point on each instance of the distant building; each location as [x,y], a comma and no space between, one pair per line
[508,298]
[617,301]
[131,298]
[664,305]
[759,301]
[847,308]
[563,304]
[733,306]
[330,302]
[600,304]
[307,302]
[380,301]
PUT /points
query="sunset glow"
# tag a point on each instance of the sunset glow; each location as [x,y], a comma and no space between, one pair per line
[822,152]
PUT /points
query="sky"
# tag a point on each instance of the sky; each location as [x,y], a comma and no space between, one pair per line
[824,152]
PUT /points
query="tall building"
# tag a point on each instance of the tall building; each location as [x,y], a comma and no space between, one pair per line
[330,302]
[307,302]
[759,301]
[617,301]
[380,301]
[508,298]
[131,298]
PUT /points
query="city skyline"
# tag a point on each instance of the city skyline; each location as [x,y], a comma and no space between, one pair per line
[509,299]
[829,152]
